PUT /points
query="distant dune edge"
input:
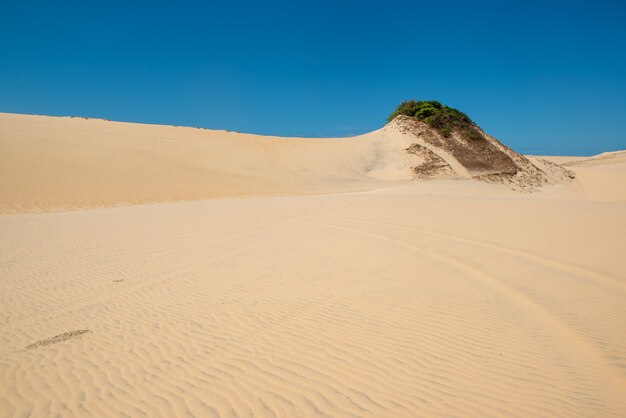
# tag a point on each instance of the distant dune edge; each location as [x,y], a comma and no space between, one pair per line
[61,163]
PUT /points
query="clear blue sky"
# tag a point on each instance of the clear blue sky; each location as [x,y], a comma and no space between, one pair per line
[543,77]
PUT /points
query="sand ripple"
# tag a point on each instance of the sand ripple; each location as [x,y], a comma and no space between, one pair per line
[357,305]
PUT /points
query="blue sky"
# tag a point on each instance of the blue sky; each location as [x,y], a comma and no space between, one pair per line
[543,77]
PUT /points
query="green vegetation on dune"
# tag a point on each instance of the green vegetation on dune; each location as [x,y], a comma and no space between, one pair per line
[442,118]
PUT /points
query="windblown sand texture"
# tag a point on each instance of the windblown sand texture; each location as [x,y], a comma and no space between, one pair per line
[334,284]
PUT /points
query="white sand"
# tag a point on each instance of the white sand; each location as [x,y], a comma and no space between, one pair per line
[433,298]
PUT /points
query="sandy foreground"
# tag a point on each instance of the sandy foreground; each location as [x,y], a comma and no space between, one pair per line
[330,286]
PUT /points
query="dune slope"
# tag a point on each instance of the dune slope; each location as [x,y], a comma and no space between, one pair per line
[49,163]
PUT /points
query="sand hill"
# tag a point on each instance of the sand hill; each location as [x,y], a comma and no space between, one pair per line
[483,158]
[62,163]
[331,283]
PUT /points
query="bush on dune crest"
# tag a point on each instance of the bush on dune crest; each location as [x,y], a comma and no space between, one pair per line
[442,118]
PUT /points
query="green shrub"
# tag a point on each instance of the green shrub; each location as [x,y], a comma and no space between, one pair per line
[442,118]
[445,131]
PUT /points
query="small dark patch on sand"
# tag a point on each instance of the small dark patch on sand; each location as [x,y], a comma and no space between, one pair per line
[56,339]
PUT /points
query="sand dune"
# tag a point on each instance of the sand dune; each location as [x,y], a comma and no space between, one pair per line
[52,163]
[63,163]
[602,177]
[404,298]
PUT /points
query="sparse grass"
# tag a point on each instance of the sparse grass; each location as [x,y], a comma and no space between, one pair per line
[442,118]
